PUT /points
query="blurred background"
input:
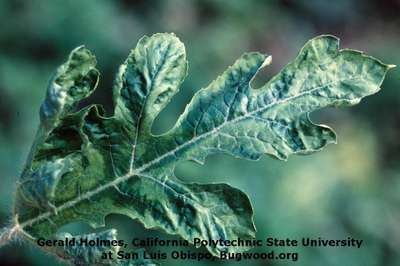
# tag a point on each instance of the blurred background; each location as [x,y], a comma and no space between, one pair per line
[348,190]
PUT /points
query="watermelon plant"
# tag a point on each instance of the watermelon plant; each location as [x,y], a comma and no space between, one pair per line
[85,164]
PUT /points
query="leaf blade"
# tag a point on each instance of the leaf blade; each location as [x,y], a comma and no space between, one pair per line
[115,165]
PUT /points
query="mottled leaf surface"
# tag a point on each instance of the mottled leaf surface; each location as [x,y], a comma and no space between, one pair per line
[85,165]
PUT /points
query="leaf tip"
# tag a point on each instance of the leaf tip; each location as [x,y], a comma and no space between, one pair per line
[327,36]
[82,54]
[267,61]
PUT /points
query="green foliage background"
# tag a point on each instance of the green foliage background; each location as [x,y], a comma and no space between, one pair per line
[349,189]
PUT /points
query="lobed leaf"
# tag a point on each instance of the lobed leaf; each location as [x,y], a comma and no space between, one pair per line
[85,165]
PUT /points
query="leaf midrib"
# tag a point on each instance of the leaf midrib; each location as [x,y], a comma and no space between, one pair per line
[139,122]
[141,169]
